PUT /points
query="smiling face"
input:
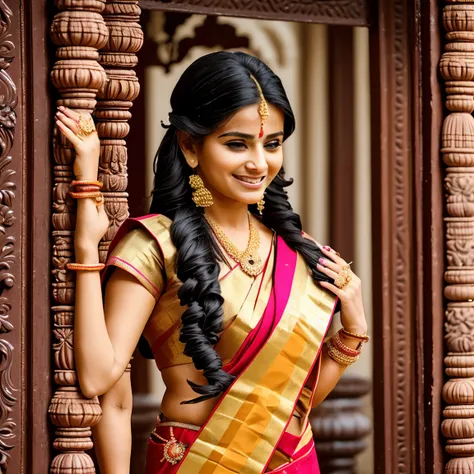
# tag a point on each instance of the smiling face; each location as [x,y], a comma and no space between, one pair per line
[233,162]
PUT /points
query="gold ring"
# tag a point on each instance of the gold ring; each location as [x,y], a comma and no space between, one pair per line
[343,277]
[85,126]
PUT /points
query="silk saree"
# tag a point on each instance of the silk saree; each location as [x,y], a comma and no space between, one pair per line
[274,327]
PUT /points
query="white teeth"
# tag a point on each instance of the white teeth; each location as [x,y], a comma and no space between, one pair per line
[249,180]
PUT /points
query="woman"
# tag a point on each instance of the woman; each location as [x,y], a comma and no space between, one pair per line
[237,334]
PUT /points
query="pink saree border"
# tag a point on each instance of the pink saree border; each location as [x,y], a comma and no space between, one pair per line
[285,266]
[133,268]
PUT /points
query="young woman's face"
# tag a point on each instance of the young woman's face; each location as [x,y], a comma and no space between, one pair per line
[237,165]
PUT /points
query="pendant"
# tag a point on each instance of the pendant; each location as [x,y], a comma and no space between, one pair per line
[251,265]
[173,451]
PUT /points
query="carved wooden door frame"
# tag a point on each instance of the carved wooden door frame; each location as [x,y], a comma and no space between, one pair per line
[408,237]
[407,213]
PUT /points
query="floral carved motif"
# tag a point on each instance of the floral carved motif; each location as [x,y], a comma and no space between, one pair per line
[355,12]
[459,327]
[8,102]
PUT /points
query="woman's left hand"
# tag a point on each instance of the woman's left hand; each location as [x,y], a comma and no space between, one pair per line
[352,307]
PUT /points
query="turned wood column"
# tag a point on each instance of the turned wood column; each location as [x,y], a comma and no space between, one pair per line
[78,31]
[457,69]
[118,57]
[340,427]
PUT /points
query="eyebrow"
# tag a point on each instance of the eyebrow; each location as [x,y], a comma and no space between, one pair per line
[249,137]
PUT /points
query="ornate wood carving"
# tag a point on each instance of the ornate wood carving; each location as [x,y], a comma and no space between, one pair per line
[79,31]
[340,427]
[394,239]
[167,50]
[335,12]
[8,95]
[457,69]
[118,57]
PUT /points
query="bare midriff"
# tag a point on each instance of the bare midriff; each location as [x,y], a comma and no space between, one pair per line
[178,390]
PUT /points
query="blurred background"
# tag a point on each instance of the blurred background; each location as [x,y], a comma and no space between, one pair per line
[325,71]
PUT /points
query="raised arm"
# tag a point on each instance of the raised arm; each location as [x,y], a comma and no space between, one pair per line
[103,340]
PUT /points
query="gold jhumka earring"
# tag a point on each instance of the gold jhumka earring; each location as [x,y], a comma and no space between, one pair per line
[202,197]
[261,206]
[262,108]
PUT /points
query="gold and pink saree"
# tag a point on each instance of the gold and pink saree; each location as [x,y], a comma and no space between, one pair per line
[271,345]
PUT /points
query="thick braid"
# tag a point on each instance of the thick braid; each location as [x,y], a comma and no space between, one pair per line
[279,216]
[197,268]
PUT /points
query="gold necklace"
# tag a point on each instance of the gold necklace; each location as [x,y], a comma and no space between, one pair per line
[249,259]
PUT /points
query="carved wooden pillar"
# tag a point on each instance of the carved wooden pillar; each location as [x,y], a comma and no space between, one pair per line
[339,426]
[8,240]
[118,57]
[79,31]
[457,69]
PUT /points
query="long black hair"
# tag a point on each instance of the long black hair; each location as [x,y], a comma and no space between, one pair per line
[212,89]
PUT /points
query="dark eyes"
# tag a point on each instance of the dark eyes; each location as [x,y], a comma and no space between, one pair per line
[236,145]
[273,145]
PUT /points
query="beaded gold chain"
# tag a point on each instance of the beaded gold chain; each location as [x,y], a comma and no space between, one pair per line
[249,259]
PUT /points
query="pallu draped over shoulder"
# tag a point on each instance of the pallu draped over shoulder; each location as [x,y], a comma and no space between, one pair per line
[274,326]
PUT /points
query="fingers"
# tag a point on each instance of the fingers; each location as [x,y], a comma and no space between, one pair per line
[329,252]
[67,132]
[333,288]
[326,267]
[70,113]
[70,123]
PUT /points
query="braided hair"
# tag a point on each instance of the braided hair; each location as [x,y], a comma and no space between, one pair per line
[211,90]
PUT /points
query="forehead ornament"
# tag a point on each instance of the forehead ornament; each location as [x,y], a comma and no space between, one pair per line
[262,107]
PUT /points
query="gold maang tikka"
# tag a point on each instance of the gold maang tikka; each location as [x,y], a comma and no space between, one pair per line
[262,107]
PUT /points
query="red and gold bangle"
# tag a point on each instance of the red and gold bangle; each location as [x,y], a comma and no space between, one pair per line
[87,182]
[95,194]
[339,345]
[337,356]
[86,189]
[360,337]
[84,267]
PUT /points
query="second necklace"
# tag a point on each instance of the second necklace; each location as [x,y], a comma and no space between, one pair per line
[249,259]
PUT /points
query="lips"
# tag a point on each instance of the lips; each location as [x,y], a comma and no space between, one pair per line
[247,179]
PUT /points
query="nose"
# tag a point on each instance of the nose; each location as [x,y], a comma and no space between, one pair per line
[258,162]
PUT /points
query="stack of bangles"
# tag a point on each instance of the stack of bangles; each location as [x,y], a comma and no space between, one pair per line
[341,353]
[87,189]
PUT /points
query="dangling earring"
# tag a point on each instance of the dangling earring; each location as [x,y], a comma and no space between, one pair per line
[202,197]
[261,206]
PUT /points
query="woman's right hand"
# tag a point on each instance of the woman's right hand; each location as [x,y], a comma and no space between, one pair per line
[86,164]
[91,221]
